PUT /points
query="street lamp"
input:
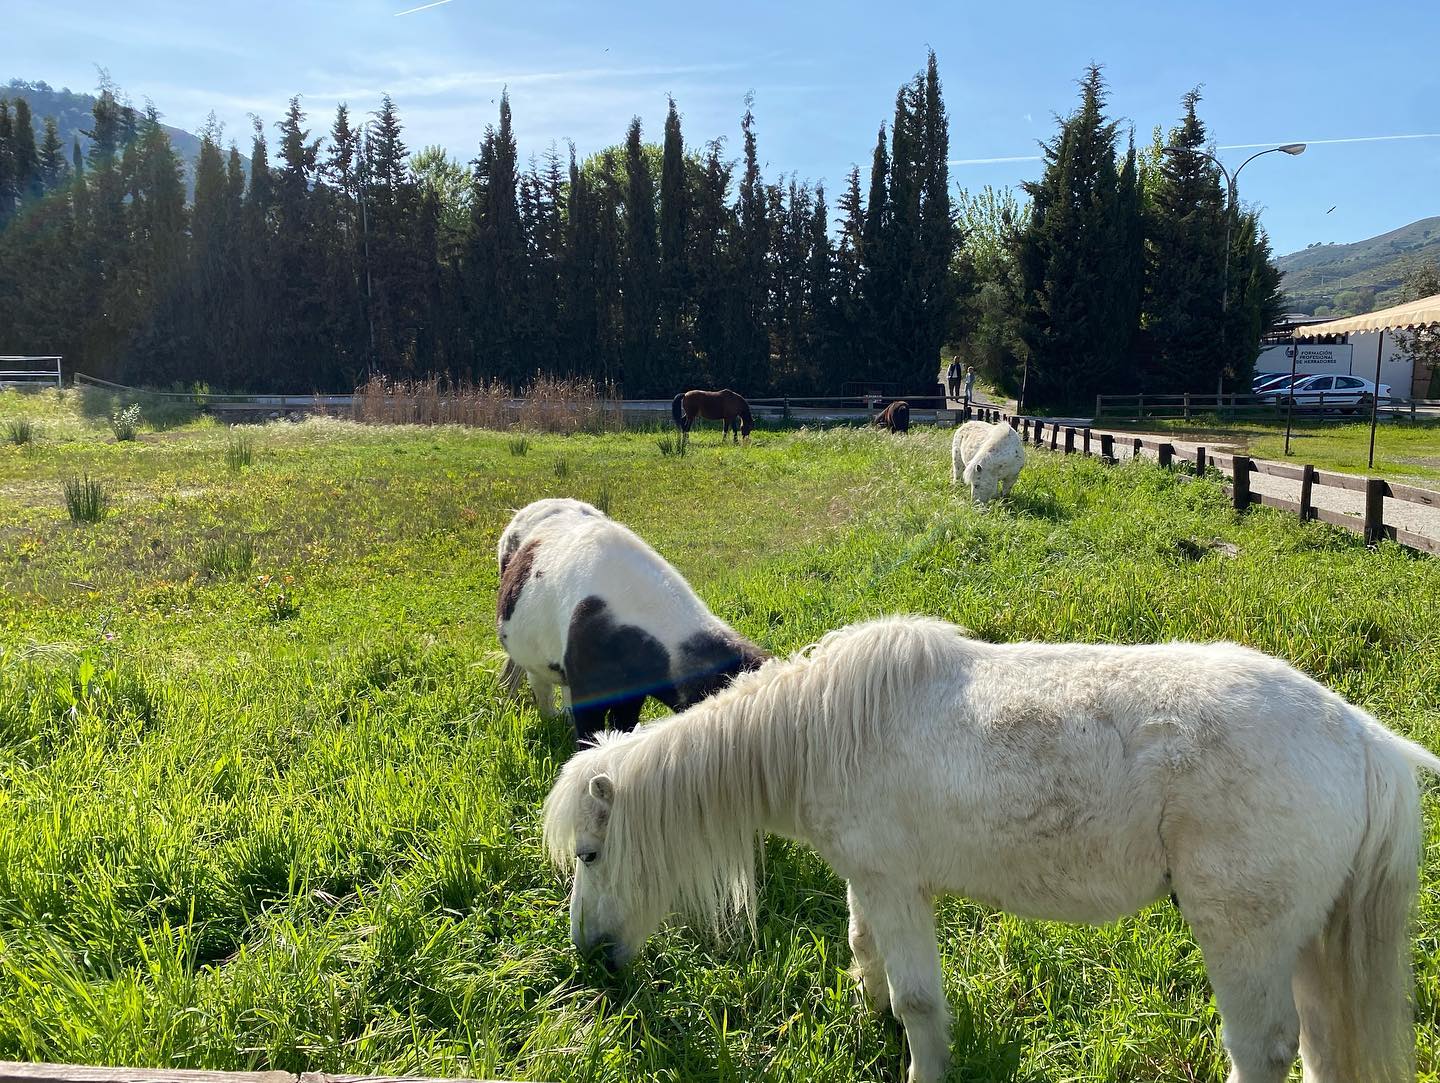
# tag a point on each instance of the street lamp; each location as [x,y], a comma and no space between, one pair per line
[1291,149]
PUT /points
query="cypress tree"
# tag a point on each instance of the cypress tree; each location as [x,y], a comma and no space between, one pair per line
[24,157]
[54,170]
[1073,275]
[9,188]
[578,284]
[711,268]
[938,287]
[1185,274]
[750,360]
[819,330]
[640,283]
[673,284]
[877,283]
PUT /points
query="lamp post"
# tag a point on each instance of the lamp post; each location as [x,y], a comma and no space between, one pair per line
[1230,179]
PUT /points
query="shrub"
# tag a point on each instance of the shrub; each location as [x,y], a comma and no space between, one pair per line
[562,467]
[85,499]
[519,445]
[124,423]
[20,431]
[670,444]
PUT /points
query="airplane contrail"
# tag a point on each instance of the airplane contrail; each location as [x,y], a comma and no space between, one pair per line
[1351,139]
[1227,146]
[422,7]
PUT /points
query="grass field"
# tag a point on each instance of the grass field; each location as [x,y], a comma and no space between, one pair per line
[1404,450]
[262,805]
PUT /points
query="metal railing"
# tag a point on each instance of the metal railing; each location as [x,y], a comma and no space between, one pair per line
[10,372]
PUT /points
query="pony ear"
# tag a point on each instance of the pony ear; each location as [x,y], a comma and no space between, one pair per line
[602,790]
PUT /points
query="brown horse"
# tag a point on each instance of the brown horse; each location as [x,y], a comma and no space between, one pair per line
[895,417]
[724,406]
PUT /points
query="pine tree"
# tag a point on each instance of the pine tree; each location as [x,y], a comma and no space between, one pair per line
[877,280]
[640,281]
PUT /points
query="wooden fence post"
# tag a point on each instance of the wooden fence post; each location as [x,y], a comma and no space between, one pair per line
[1137,449]
[1307,483]
[1098,398]
[1166,453]
[1140,406]
[1374,510]
[1187,406]
[1107,447]
[1242,482]
[1039,432]
[1087,440]
[1199,462]
[1069,440]
[1014,422]
[1054,435]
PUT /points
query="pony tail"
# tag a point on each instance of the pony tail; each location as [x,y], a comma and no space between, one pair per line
[1354,983]
[677,408]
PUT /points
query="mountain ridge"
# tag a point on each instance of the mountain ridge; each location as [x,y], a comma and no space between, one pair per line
[1344,279]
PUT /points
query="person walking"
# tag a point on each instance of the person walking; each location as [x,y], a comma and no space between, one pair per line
[952,376]
[969,384]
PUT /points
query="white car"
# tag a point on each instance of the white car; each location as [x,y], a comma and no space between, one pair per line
[1345,393]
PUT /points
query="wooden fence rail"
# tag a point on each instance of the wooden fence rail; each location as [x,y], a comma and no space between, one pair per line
[1237,469]
[21,1072]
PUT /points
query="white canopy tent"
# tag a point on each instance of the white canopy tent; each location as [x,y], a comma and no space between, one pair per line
[1411,316]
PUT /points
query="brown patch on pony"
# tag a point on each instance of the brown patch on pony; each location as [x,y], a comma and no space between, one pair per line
[514,578]
[895,417]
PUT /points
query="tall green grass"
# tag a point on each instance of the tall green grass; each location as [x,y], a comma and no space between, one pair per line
[242,828]
[85,499]
[20,430]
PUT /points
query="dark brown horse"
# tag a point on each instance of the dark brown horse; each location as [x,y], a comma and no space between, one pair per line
[725,406]
[895,417]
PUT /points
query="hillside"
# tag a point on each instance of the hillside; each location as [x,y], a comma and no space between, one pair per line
[1348,278]
[72,116]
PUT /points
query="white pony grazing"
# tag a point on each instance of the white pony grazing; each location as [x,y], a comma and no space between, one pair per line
[587,605]
[1060,781]
[987,457]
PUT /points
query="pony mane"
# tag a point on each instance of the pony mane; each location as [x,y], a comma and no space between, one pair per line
[695,793]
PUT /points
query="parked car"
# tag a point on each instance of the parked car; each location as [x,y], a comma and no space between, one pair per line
[1265,381]
[1343,393]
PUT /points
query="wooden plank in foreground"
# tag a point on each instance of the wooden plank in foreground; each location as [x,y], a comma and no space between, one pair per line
[22,1072]
[18,1072]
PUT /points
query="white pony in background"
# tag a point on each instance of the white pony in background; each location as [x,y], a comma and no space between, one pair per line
[585,604]
[1066,782]
[987,457]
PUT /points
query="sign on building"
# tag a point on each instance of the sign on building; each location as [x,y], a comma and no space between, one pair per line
[1313,358]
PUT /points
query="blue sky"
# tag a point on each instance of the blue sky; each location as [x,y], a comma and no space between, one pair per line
[823,75]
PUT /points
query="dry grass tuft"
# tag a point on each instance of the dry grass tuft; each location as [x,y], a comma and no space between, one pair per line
[546,404]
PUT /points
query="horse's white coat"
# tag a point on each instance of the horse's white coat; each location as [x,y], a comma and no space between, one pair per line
[526,519]
[580,553]
[987,457]
[1069,782]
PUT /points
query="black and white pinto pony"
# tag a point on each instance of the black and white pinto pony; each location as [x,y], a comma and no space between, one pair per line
[586,605]
[1058,781]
